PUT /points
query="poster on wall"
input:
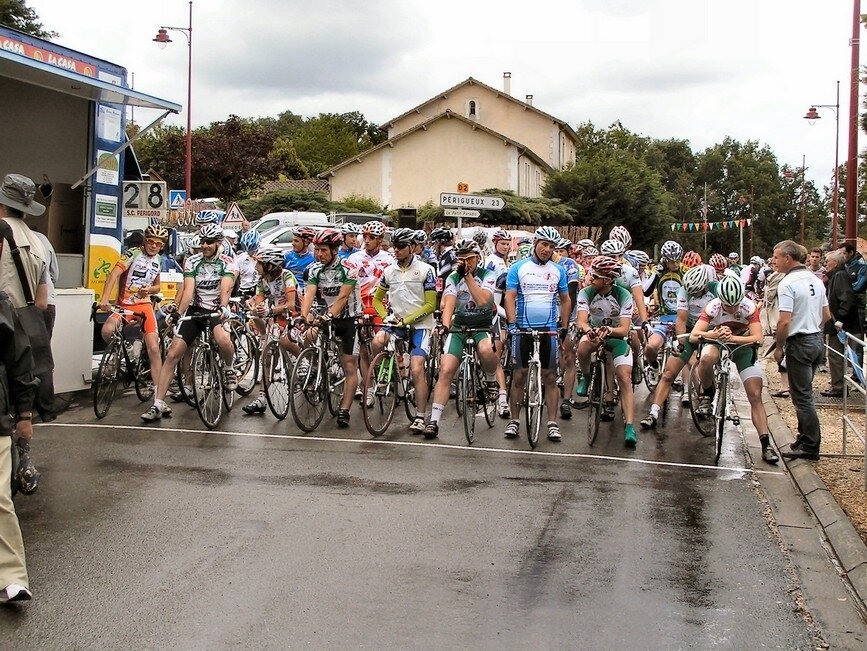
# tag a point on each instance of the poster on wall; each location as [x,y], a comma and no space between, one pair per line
[109,168]
[108,123]
[106,211]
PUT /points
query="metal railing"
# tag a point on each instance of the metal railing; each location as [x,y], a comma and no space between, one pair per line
[852,361]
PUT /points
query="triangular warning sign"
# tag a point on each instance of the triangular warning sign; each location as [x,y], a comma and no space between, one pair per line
[234,215]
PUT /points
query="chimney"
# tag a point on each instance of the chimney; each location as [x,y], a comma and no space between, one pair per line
[507,83]
[530,100]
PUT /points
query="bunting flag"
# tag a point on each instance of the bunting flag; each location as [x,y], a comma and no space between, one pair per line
[693,227]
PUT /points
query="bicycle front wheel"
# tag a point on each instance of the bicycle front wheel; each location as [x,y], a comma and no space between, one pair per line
[336,377]
[105,383]
[307,390]
[382,380]
[704,423]
[489,407]
[144,386]
[719,413]
[207,386]
[468,397]
[533,403]
[246,361]
[275,379]
[595,393]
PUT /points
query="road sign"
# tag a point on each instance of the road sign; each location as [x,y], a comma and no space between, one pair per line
[460,212]
[234,215]
[471,201]
[463,188]
[177,199]
[145,199]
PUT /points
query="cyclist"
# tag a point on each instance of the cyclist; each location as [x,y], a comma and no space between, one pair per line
[419,239]
[525,247]
[734,266]
[750,274]
[443,239]
[732,318]
[480,237]
[334,281]
[275,297]
[605,318]
[691,259]
[719,263]
[699,288]
[498,262]
[537,298]
[248,275]
[209,278]
[299,258]
[667,281]
[410,286]
[567,360]
[137,275]
[467,302]
[230,240]
[351,234]
[629,280]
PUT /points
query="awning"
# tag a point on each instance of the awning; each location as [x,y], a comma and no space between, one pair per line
[38,73]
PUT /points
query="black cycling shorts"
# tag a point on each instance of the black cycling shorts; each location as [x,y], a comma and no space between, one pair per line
[189,330]
[522,348]
[346,330]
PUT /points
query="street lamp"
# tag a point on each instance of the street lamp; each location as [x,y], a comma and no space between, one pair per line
[162,39]
[811,117]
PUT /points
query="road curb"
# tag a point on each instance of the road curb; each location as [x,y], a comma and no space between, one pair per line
[848,547]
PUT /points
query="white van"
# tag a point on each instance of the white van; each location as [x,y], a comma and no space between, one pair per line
[295,218]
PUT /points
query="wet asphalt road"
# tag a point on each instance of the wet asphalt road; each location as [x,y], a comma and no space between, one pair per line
[256,536]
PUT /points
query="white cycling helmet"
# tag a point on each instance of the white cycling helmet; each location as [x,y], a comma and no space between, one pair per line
[546,234]
[640,257]
[731,290]
[351,229]
[211,232]
[620,234]
[589,251]
[270,255]
[230,234]
[695,281]
[756,260]
[584,243]
[671,250]
[612,247]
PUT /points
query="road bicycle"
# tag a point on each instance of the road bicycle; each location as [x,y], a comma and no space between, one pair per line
[472,396]
[534,389]
[437,341]
[276,369]
[317,379]
[389,378]
[653,375]
[598,385]
[713,423]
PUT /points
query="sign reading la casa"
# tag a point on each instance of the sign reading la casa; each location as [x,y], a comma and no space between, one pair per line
[46,56]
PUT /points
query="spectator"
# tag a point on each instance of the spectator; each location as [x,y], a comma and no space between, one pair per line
[771,315]
[857,269]
[45,395]
[844,310]
[803,312]
[17,392]
[814,264]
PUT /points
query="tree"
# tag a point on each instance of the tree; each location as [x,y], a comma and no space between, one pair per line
[291,165]
[285,201]
[164,150]
[357,203]
[17,15]
[324,141]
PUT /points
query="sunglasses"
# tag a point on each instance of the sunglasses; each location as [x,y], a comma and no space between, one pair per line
[154,242]
[371,236]
[204,241]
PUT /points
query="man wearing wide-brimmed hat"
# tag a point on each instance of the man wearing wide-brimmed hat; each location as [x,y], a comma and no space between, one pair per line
[16,202]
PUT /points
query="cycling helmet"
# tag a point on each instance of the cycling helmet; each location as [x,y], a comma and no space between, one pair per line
[585,243]
[733,256]
[207,217]
[590,251]
[564,243]
[270,255]
[612,247]
[500,234]
[718,262]
[230,234]
[351,229]
[620,234]
[524,239]
[419,237]
[375,228]
[304,232]
[695,281]
[156,232]
[195,243]
[480,237]
[441,235]
[546,234]
[401,237]
[211,232]
[329,237]
[605,266]
[671,250]
[756,260]
[691,259]
[730,290]
[640,257]
[249,241]
[468,247]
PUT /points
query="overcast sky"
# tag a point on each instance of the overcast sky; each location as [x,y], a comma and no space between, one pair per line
[693,69]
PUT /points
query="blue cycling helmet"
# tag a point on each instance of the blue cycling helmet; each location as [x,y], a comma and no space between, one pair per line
[249,241]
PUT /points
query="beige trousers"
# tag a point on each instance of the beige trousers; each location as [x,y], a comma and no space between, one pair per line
[12,564]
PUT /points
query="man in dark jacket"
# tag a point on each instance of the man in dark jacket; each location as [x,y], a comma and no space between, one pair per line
[843,304]
[17,393]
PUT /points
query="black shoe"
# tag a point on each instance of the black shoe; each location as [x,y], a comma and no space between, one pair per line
[565,410]
[431,430]
[801,454]
[649,422]
[343,418]
[607,414]
[832,393]
[769,456]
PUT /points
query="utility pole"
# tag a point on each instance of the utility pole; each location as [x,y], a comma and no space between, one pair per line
[803,194]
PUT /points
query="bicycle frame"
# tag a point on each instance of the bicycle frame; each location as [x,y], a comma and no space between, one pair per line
[534,389]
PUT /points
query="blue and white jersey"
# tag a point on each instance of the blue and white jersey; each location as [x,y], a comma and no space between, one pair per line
[573,274]
[539,287]
[298,263]
[496,264]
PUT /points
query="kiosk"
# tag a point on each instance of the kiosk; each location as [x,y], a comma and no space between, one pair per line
[63,124]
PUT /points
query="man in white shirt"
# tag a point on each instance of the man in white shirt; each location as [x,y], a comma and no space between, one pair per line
[803,309]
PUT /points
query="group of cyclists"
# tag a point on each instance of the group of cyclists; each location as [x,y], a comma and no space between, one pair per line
[649,315]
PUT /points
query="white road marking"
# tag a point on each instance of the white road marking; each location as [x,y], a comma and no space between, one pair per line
[466,449]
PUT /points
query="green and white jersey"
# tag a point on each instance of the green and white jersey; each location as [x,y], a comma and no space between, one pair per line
[208,274]
[606,309]
[695,304]
[329,280]
[467,312]
[275,290]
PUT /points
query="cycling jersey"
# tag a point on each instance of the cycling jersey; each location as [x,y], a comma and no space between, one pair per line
[368,270]
[629,277]
[606,309]
[666,292]
[445,266]
[467,312]
[345,252]
[249,277]
[406,287]
[500,268]
[738,322]
[208,274]
[427,255]
[329,280]
[539,287]
[573,275]
[275,290]
[298,263]
[694,305]
[139,270]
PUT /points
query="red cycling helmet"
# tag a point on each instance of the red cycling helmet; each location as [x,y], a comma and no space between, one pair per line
[691,259]
[328,237]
